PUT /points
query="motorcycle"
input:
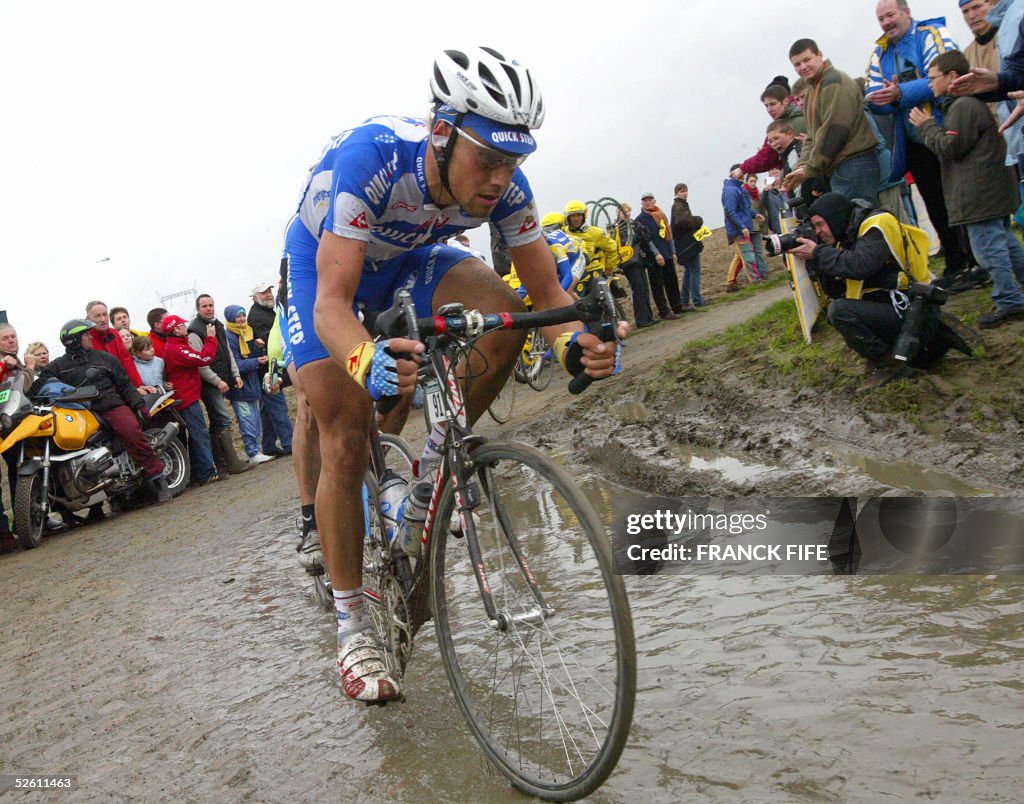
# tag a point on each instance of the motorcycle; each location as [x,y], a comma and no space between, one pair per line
[68,460]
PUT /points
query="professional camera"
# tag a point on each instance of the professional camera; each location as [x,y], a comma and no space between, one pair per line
[774,244]
[922,297]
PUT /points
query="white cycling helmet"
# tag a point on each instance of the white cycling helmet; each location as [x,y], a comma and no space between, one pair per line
[481,81]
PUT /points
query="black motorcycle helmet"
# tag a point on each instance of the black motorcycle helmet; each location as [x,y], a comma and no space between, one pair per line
[71,332]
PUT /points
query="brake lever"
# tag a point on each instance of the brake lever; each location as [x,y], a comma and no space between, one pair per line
[398,321]
[600,305]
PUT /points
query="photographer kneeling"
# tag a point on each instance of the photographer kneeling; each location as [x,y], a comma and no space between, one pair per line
[876,304]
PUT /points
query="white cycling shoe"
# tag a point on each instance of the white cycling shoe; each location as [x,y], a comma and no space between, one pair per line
[364,674]
[311,559]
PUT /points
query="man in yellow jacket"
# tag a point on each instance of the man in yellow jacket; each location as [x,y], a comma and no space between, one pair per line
[602,253]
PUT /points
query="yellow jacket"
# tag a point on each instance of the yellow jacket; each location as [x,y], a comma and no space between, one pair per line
[908,246]
[598,246]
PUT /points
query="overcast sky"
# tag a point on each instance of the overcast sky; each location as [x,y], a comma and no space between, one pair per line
[171,140]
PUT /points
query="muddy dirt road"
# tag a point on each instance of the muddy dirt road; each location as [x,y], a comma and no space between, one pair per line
[177,653]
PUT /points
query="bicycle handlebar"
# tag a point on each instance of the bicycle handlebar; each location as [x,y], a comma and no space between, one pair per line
[400,321]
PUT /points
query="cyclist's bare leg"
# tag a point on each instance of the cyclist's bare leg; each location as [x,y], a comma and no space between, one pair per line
[343,415]
[305,443]
[394,420]
[342,410]
[491,364]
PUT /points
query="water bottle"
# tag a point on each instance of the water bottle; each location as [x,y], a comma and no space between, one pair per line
[393,491]
[410,532]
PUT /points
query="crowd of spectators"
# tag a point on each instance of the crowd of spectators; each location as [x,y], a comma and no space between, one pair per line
[203,360]
[869,138]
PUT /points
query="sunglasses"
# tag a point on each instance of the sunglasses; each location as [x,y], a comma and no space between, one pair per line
[491,158]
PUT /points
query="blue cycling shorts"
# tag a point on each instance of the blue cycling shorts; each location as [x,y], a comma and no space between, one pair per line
[423,267]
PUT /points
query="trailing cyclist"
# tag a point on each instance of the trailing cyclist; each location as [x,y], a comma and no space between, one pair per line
[570,261]
[375,208]
[602,253]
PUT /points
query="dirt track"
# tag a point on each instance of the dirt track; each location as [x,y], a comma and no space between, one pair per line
[160,652]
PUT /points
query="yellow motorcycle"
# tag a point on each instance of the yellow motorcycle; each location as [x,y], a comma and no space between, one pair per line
[68,460]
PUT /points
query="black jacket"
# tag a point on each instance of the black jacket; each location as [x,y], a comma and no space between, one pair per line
[864,258]
[108,376]
[684,225]
[261,319]
[221,364]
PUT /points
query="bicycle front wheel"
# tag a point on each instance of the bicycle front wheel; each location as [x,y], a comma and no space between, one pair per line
[547,687]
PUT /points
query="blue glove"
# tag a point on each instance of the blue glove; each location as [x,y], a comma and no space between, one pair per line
[374,368]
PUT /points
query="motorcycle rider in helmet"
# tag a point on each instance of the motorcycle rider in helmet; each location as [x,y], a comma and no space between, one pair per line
[117,400]
[371,219]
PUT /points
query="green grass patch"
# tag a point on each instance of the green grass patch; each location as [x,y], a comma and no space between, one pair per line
[768,350]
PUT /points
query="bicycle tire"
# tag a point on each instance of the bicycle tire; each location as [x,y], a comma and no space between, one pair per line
[550,701]
[501,406]
[398,455]
[541,366]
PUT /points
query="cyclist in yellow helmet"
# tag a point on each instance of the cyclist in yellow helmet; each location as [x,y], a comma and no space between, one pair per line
[600,249]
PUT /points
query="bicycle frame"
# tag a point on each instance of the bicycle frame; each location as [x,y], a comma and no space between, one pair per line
[443,357]
[446,348]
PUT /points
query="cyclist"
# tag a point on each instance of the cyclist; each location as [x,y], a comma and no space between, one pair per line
[570,261]
[370,220]
[602,253]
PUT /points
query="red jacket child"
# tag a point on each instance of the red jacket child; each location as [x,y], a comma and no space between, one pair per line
[182,362]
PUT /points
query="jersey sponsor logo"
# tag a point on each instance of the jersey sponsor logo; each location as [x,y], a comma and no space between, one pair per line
[398,237]
[381,181]
[359,221]
[517,137]
[434,223]
[403,205]
[295,333]
[428,279]
[514,195]
[528,224]
[321,197]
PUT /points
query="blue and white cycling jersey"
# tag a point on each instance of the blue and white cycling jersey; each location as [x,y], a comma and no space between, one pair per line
[370,184]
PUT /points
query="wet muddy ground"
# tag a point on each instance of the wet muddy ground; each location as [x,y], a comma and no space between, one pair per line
[177,652]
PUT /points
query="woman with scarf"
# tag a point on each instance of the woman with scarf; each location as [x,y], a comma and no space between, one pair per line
[245,400]
[662,269]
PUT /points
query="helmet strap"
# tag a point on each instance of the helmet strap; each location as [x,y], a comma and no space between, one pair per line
[443,154]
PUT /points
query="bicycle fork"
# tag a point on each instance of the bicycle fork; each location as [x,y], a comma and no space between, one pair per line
[467,499]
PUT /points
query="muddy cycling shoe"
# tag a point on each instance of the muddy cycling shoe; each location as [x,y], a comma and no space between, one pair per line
[311,559]
[364,674]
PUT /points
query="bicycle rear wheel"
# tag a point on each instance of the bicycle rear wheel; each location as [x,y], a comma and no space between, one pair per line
[397,456]
[549,698]
[383,598]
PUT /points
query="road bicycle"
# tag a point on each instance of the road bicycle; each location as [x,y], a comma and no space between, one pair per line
[515,569]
